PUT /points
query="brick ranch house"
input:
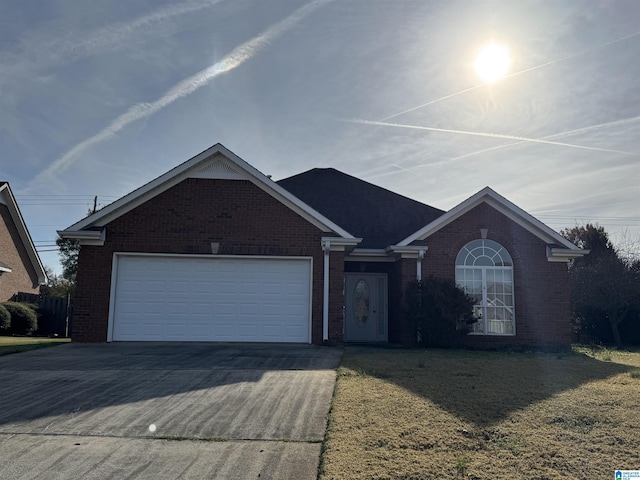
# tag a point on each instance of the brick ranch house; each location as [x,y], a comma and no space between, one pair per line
[214,250]
[20,267]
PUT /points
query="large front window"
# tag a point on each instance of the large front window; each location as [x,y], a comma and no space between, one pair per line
[484,269]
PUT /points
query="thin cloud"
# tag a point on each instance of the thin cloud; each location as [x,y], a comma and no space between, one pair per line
[551,62]
[235,58]
[42,52]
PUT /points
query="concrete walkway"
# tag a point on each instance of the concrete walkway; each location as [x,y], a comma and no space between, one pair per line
[163,410]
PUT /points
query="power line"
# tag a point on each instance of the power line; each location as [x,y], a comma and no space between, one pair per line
[62,196]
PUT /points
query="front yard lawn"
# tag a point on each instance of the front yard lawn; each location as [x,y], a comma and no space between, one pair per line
[409,414]
[22,344]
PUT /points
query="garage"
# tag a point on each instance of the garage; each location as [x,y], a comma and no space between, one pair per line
[195,298]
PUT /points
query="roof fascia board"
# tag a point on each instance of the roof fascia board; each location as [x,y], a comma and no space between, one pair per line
[369,252]
[407,251]
[369,255]
[563,255]
[85,237]
[140,195]
[182,171]
[9,200]
[338,244]
[504,206]
[305,211]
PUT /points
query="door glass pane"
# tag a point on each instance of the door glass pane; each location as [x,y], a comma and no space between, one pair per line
[361,303]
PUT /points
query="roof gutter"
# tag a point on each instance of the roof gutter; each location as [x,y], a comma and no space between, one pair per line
[555,254]
[407,251]
[85,237]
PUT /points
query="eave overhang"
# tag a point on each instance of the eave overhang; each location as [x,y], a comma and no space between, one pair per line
[85,237]
[407,251]
[508,209]
[339,244]
[555,254]
[216,162]
[7,198]
[369,255]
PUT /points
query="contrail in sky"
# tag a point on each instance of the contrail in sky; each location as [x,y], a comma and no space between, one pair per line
[615,123]
[41,52]
[490,135]
[234,59]
[551,62]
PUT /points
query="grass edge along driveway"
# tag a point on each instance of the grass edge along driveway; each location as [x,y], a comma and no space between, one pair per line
[9,345]
[414,414]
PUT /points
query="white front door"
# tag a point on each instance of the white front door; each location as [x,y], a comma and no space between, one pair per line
[366,307]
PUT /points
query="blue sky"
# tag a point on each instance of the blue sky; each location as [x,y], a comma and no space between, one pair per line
[98,98]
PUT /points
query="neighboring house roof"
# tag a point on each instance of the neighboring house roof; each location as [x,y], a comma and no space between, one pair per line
[215,162]
[559,248]
[378,216]
[7,198]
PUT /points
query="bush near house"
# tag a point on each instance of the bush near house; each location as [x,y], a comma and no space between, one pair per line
[5,320]
[24,319]
[441,312]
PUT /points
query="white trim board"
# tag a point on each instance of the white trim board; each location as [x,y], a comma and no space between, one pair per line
[215,162]
[501,204]
[7,198]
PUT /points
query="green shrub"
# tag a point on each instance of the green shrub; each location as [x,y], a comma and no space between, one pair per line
[24,319]
[441,312]
[5,319]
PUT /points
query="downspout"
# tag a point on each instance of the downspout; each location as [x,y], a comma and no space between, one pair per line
[326,246]
[421,253]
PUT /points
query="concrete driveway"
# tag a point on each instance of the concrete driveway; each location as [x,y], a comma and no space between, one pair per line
[164,410]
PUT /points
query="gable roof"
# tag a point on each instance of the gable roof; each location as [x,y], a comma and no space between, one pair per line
[378,216]
[7,198]
[215,162]
[510,210]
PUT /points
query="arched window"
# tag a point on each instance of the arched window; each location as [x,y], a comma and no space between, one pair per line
[484,269]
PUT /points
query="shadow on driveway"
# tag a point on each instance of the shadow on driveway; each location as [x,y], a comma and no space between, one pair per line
[196,391]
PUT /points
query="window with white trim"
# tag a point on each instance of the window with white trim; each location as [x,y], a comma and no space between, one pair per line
[484,269]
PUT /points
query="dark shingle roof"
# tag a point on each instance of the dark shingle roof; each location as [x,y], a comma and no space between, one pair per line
[379,216]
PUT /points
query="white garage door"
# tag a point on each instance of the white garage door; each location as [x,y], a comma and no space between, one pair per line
[248,299]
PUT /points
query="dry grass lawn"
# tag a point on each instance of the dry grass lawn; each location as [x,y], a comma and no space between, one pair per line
[408,414]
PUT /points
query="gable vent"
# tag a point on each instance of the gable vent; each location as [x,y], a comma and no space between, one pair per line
[218,168]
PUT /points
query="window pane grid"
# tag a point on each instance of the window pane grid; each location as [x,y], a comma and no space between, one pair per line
[484,270]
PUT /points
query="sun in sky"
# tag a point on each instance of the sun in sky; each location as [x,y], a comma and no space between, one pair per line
[493,62]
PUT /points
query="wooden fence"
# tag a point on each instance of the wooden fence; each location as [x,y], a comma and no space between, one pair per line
[55,313]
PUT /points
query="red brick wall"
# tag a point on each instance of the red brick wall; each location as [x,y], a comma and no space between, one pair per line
[541,287]
[186,219]
[23,277]
[336,298]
